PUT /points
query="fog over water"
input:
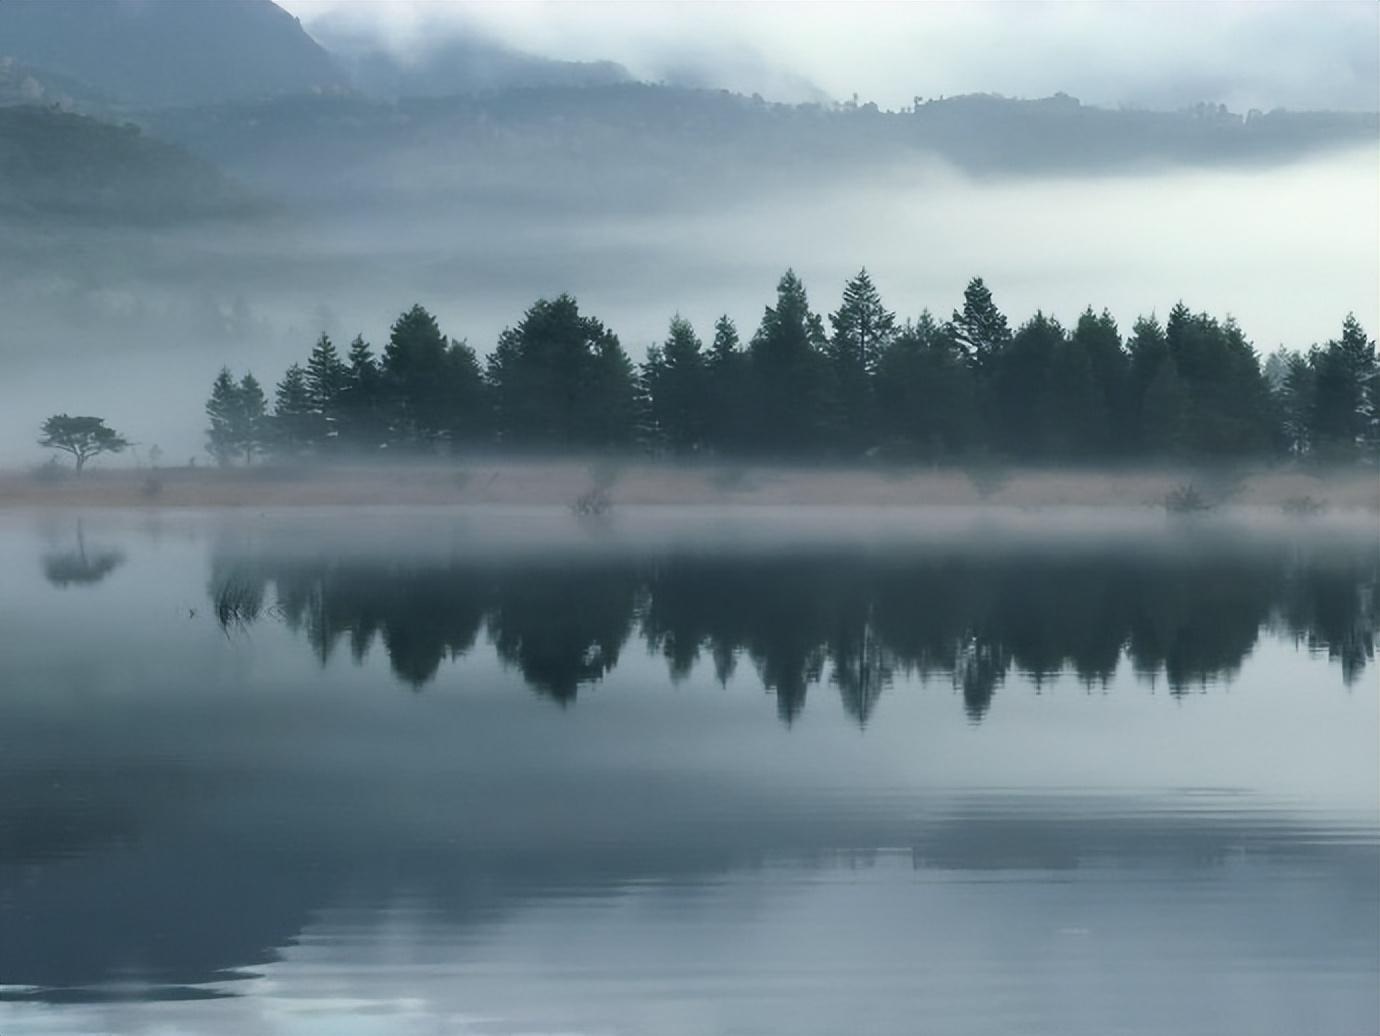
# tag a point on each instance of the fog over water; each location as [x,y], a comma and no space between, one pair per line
[1286,249]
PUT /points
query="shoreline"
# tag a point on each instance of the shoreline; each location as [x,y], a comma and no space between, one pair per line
[478,481]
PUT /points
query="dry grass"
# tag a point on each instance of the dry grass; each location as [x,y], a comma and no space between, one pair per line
[556,483]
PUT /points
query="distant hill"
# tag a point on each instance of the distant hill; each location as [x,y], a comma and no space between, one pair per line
[150,53]
[458,65]
[627,144]
[55,164]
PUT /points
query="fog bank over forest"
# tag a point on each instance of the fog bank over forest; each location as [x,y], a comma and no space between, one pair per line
[233,229]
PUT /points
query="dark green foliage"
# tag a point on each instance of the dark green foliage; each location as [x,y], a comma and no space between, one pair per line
[236,411]
[561,380]
[296,425]
[362,421]
[675,379]
[926,396]
[788,376]
[1097,338]
[863,330]
[1343,403]
[432,386]
[969,391]
[82,437]
[979,327]
[726,389]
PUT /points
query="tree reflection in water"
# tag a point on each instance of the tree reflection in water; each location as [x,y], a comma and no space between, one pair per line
[1187,618]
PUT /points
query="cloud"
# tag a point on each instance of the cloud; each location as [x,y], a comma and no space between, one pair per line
[1289,54]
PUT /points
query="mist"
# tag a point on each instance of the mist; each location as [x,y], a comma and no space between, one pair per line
[1287,250]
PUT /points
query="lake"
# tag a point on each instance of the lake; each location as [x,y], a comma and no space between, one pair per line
[707,770]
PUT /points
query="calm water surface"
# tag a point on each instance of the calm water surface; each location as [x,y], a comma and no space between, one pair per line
[825,772]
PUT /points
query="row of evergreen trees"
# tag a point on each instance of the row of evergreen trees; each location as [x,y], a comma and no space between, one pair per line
[862,383]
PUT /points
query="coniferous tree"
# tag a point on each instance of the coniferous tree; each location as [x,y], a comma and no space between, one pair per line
[433,387]
[674,375]
[222,410]
[250,424]
[1099,340]
[979,327]
[926,396]
[1295,396]
[327,376]
[561,380]
[1025,401]
[1227,402]
[1343,393]
[863,329]
[787,365]
[362,418]
[296,424]
[726,390]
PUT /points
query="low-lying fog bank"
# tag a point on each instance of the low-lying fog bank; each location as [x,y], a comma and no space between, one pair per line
[594,486]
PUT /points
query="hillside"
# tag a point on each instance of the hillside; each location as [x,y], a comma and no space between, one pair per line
[628,143]
[55,164]
[153,54]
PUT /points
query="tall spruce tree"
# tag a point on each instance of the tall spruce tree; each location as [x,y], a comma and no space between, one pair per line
[296,425]
[222,412]
[250,425]
[863,330]
[725,388]
[674,375]
[328,376]
[788,375]
[979,327]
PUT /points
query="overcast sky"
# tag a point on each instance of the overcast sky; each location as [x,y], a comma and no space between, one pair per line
[1156,54]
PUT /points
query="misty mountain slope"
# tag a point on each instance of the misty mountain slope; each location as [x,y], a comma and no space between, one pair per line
[627,145]
[145,52]
[26,84]
[457,65]
[55,164]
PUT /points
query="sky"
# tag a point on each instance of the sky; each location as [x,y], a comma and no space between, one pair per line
[1162,54]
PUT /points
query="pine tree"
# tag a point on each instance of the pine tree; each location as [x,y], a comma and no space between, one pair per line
[926,397]
[979,326]
[674,375]
[863,329]
[1099,339]
[221,410]
[1343,423]
[725,391]
[360,420]
[296,423]
[560,379]
[787,408]
[328,376]
[250,426]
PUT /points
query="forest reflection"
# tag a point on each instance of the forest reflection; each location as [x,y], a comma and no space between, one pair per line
[853,621]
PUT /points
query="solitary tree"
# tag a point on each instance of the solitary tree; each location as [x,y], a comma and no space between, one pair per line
[82,437]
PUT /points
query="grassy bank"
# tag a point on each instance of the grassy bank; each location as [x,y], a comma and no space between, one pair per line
[477,481]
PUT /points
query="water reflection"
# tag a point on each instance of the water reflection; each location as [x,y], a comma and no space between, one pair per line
[212,820]
[82,566]
[1187,617]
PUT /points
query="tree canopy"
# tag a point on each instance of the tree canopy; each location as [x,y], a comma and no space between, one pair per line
[1192,387]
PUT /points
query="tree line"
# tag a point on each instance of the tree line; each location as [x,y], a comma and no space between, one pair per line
[858,383]
[802,620]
